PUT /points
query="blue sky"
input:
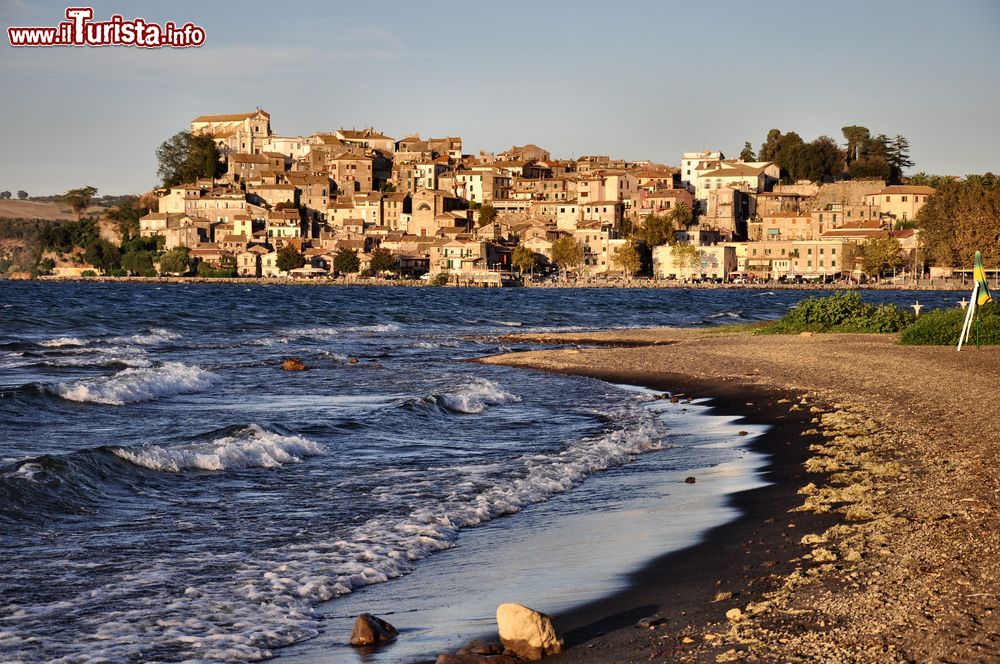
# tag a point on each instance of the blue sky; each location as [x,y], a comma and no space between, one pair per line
[638,80]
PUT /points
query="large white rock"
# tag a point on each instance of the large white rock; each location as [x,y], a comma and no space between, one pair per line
[527,632]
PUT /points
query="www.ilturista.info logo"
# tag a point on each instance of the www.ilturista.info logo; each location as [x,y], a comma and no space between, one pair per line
[80,30]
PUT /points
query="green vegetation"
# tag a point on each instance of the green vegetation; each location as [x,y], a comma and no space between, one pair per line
[289,258]
[487,215]
[823,159]
[346,261]
[567,253]
[880,255]
[961,218]
[185,157]
[442,279]
[79,199]
[524,259]
[840,312]
[941,327]
[382,261]
[210,271]
[657,230]
[176,261]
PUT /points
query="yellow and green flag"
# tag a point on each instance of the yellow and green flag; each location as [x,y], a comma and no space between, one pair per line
[979,275]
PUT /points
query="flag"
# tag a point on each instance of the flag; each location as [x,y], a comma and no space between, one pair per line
[979,275]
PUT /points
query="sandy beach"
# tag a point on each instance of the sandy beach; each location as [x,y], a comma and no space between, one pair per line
[877,540]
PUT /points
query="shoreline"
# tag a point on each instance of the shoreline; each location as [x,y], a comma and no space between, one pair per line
[555,285]
[863,575]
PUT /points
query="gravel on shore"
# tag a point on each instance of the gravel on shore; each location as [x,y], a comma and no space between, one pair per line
[903,445]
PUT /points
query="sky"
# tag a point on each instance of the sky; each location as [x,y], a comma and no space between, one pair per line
[634,80]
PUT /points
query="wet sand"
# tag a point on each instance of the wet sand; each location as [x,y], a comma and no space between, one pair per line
[878,540]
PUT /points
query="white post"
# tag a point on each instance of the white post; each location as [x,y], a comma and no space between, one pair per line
[969,315]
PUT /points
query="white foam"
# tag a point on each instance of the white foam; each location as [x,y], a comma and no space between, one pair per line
[509,323]
[154,336]
[63,341]
[476,397]
[323,333]
[251,447]
[266,599]
[25,471]
[135,385]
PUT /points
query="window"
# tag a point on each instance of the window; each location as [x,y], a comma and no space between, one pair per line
[886,199]
[809,263]
[833,263]
[904,199]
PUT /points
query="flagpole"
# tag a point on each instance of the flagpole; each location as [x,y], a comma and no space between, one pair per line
[969,313]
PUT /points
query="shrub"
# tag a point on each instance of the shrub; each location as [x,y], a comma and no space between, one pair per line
[88,273]
[941,327]
[840,312]
[149,273]
[442,279]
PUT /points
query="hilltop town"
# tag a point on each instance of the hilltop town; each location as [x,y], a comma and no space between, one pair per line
[420,206]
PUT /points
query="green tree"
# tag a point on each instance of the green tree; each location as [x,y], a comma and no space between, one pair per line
[627,259]
[5,195]
[103,255]
[137,262]
[185,157]
[346,261]
[879,254]
[656,229]
[684,255]
[22,195]
[487,214]
[898,153]
[289,258]
[524,259]
[126,215]
[382,261]
[961,218]
[856,137]
[567,253]
[176,261]
[79,199]
[746,154]
[681,216]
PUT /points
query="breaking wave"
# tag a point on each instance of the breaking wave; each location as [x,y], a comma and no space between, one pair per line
[470,399]
[250,447]
[138,384]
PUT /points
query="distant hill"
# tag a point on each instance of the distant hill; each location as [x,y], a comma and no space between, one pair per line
[11,209]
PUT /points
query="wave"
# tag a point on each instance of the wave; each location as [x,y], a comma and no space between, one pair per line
[152,337]
[322,333]
[728,314]
[249,447]
[134,385]
[470,399]
[509,323]
[63,341]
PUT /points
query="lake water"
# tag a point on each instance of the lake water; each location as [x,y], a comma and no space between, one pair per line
[167,493]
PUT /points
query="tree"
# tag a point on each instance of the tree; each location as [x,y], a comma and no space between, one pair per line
[127,214]
[627,258]
[382,261]
[681,216]
[137,262]
[746,154]
[657,230]
[961,218]
[185,157]
[289,258]
[79,199]
[346,261]
[103,255]
[176,261]
[567,253]
[898,152]
[856,137]
[879,254]
[684,255]
[487,215]
[22,195]
[5,195]
[524,259]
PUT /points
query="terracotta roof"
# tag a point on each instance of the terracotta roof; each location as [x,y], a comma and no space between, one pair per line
[232,117]
[241,157]
[906,189]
